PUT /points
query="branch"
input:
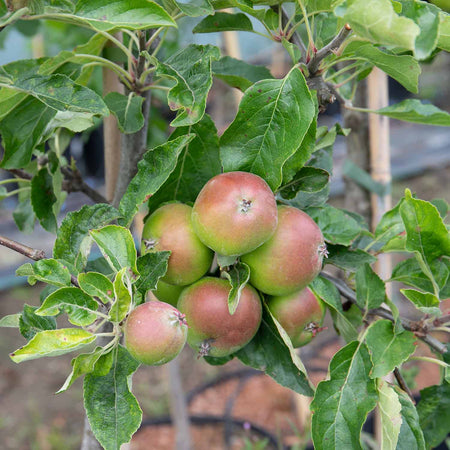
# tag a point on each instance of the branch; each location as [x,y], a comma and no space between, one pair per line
[402,383]
[420,331]
[29,252]
[313,65]
[295,38]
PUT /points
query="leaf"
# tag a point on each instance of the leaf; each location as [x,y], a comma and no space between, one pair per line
[113,411]
[237,73]
[341,404]
[80,307]
[117,246]
[197,163]
[363,178]
[53,343]
[46,270]
[346,258]
[43,198]
[24,216]
[33,117]
[271,352]
[109,15]
[415,111]
[190,68]
[85,363]
[10,321]
[128,111]
[434,411]
[195,8]
[96,285]
[30,323]
[328,293]
[425,302]
[73,242]
[390,415]
[308,179]
[370,288]
[260,139]
[379,23]
[151,267]
[153,170]
[388,348]
[390,228]
[444,32]
[238,276]
[403,68]
[222,21]
[411,435]
[123,296]
[336,225]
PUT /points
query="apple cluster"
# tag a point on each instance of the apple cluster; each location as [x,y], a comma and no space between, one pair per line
[235,216]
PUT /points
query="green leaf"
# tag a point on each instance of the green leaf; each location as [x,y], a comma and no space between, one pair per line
[73,242]
[24,216]
[425,302]
[403,68]
[107,15]
[190,68]
[123,296]
[11,320]
[427,17]
[341,404]
[151,267]
[388,348]
[411,435]
[271,352]
[346,258]
[113,411]
[308,179]
[379,23]
[117,246]
[415,111]
[239,74]
[79,306]
[33,117]
[293,51]
[390,228]
[53,343]
[260,139]
[238,276]
[337,226]
[46,270]
[87,363]
[30,323]
[434,411]
[363,178]
[43,198]
[370,288]
[154,169]
[195,8]
[97,285]
[390,415]
[197,163]
[222,21]
[328,293]
[128,111]
[444,32]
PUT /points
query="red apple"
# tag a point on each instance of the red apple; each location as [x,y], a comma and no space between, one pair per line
[235,213]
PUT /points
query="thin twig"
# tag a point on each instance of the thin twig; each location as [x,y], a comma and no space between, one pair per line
[29,252]
[415,327]
[402,383]
[313,65]
[295,38]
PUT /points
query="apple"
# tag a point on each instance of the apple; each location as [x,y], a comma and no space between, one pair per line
[170,228]
[213,331]
[291,258]
[168,293]
[235,213]
[155,333]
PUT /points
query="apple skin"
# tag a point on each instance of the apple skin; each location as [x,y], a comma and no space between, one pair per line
[168,293]
[235,213]
[155,333]
[170,228]
[443,4]
[212,330]
[291,258]
[301,315]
